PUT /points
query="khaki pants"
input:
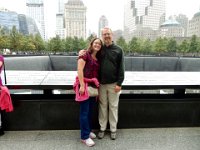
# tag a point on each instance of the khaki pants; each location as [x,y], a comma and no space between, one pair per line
[108,106]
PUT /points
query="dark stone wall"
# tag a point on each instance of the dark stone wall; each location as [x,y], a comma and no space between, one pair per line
[189,64]
[61,112]
[63,63]
[36,63]
[69,63]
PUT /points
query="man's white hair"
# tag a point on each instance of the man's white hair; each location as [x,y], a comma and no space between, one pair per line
[106,27]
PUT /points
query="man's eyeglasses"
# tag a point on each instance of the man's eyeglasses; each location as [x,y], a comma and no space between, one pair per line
[106,34]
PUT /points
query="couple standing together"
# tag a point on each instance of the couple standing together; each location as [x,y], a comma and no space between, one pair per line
[104,61]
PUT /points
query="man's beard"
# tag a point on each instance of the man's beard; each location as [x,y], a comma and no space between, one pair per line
[107,41]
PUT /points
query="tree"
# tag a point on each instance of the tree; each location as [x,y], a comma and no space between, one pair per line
[39,42]
[28,44]
[193,44]
[4,42]
[15,39]
[184,47]
[160,45]
[198,47]
[146,47]
[91,37]
[56,44]
[122,43]
[4,30]
[171,45]
[69,44]
[75,44]
[82,44]
[134,45]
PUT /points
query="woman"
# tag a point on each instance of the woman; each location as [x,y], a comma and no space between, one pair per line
[88,67]
[1,66]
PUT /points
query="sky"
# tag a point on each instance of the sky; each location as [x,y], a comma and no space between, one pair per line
[112,9]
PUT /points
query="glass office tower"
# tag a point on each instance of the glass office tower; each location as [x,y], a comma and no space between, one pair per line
[24,24]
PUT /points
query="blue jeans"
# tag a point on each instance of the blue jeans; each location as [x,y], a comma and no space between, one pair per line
[86,117]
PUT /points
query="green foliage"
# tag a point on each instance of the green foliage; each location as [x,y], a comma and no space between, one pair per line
[4,42]
[82,44]
[39,43]
[75,44]
[171,45]
[69,44]
[134,45]
[160,45]
[147,47]
[193,44]
[28,44]
[56,45]
[15,41]
[198,47]
[183,47]
[3,31]
[122,43]
[91,37]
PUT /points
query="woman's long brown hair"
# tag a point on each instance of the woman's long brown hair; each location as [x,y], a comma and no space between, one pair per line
[90,50]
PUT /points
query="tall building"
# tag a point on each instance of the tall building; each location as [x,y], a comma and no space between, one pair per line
[194,25]
[8,19]
[75,19]
[61,6]
[23,23]
[171,28]
[35,10]
[117,34]
[139,14]
[60,24]
[146,33]
[103,22]
[183,20]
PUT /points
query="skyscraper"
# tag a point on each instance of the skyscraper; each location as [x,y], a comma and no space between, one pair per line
[60,24]
[35,10]
[194,25]
[139,14]
[61,6]
[103,22]
[75,19]
[183,20]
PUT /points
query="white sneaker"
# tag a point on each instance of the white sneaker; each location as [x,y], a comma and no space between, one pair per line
[89,142]
[92,135]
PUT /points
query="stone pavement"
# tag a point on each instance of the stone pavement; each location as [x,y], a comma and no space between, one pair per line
[128,139]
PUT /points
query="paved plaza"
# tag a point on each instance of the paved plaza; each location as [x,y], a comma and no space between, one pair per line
[128,139]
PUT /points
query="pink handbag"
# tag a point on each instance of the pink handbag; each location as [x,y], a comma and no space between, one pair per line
[89,91]
[81,97]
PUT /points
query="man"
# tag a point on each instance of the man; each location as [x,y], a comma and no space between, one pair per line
[111,78]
